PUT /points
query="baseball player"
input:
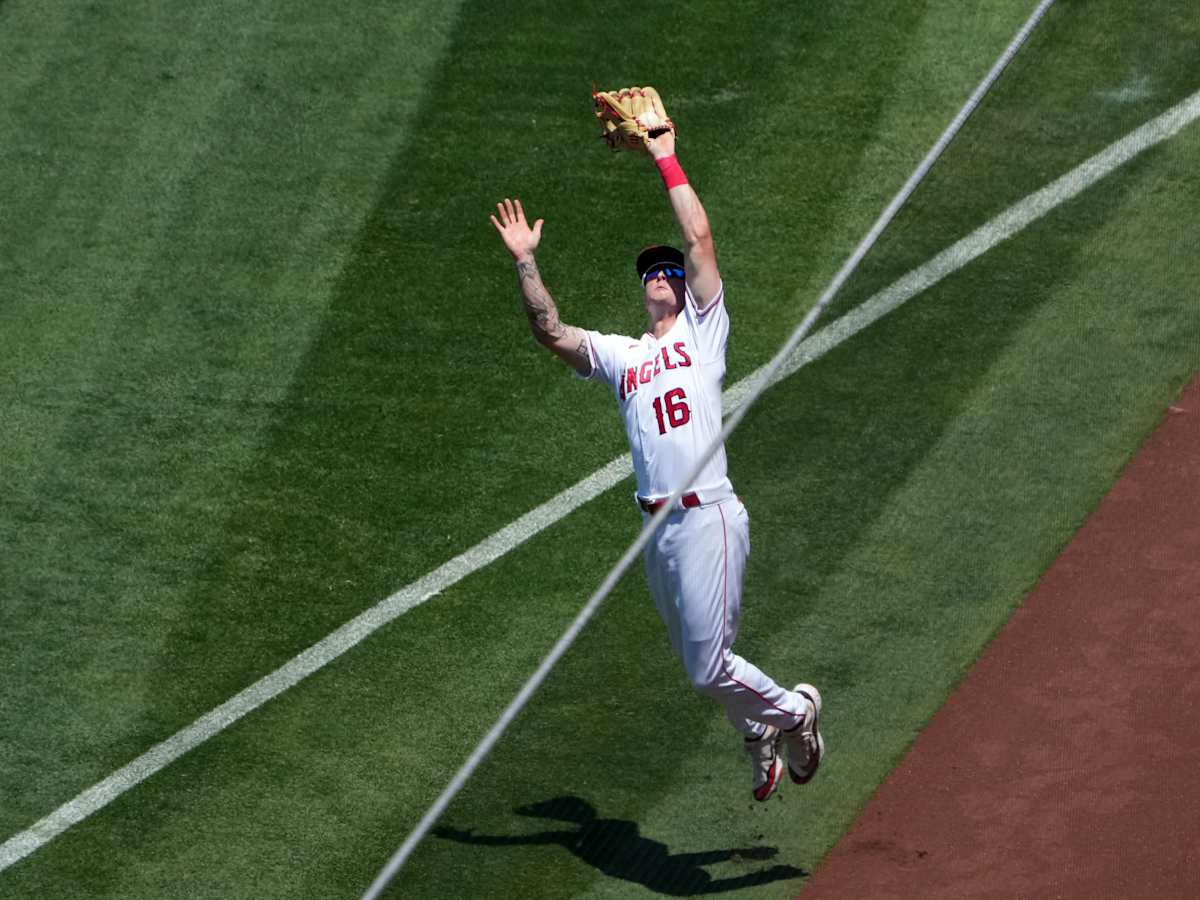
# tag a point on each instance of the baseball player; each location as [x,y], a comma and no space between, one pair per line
[667,385]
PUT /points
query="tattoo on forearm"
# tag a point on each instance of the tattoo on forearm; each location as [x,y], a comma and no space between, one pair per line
[539,305]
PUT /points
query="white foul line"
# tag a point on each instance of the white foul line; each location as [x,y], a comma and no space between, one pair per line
[513,535]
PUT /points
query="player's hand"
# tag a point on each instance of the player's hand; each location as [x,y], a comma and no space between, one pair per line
[518,237]
[662,145]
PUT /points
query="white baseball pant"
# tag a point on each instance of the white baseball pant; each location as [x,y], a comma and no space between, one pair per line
[695,564]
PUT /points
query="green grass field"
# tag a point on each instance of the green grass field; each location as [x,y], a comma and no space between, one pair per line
[262,363]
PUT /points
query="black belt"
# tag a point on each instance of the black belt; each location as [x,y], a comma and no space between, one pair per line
[689,501]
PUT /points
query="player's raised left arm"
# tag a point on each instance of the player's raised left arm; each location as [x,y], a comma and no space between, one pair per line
[700,257]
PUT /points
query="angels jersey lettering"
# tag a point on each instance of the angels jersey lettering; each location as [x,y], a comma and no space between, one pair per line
[669,393]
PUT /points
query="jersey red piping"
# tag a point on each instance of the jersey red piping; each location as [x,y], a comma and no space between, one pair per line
[711,306]
[725,618]
[591,356]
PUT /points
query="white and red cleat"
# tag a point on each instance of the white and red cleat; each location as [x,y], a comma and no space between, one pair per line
[765,762]
[806,747]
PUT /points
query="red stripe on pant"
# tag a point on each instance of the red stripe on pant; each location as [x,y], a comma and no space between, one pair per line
[725,618]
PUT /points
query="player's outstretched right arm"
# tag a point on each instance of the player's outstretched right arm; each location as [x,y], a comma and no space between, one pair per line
[567,342]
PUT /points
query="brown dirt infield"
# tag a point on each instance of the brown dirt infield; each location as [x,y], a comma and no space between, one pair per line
[1067,763]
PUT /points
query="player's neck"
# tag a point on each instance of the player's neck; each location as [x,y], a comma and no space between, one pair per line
[661,324]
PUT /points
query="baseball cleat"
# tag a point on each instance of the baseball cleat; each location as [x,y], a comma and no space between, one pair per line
[765,763]
[806,747]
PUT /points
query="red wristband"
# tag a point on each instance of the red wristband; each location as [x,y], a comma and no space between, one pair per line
[671,172]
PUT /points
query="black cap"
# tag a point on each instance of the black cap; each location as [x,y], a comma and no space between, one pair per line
[658,253]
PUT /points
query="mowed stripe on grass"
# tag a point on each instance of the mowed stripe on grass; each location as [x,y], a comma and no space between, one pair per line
[318,655]
[163,272]
[193,576]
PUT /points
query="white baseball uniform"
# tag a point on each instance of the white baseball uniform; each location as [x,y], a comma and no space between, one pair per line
[669,393]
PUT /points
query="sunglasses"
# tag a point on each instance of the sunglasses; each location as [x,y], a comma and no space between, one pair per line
[668,269]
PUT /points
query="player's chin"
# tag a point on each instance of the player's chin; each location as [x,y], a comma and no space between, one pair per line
[664,302]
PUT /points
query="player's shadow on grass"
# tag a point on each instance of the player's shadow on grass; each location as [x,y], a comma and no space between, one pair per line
[616,848]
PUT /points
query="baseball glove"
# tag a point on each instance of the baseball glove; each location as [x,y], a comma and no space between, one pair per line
[628,116]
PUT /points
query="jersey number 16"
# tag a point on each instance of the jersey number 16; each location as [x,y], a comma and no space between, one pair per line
[672,409]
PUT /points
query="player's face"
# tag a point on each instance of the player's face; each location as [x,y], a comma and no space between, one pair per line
[663,286]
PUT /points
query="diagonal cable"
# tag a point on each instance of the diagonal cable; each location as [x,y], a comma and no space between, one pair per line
[767,377]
